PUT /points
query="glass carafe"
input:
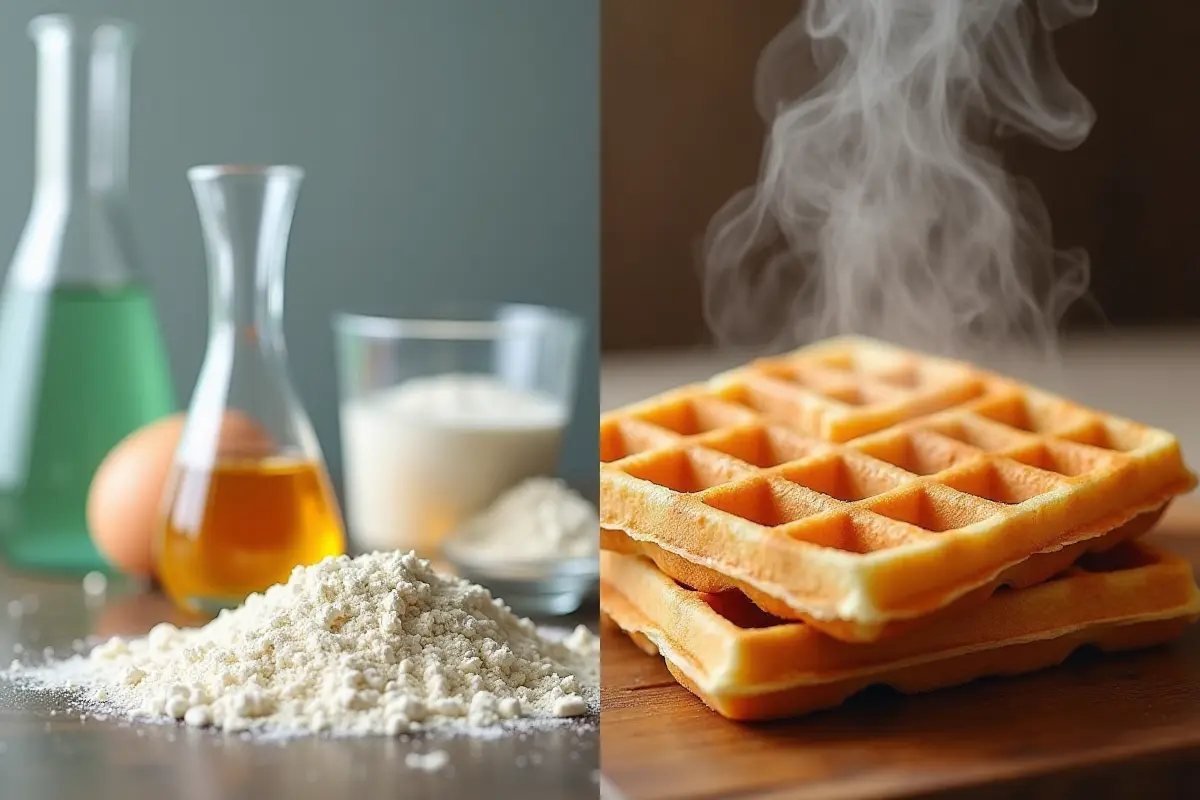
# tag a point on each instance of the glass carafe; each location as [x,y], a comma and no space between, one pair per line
[82,361]
[249,497]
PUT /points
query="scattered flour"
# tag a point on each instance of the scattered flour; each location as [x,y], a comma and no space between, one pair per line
[379,644]
[538,518]
[432,761]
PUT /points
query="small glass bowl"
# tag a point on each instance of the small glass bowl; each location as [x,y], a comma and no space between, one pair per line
[401,503]
[531,587]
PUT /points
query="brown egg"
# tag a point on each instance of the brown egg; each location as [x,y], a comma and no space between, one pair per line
[242,437]
[124,500]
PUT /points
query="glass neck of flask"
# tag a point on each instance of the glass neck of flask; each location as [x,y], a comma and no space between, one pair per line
[246,218]
[82,106]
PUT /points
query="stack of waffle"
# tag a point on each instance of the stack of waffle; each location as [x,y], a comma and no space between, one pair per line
[852,514]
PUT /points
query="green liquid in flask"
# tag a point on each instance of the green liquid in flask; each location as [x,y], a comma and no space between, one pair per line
[80,368]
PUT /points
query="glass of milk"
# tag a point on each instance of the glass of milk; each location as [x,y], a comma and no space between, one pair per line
[440,416]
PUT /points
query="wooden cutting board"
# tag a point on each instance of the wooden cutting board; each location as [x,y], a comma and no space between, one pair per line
[1123,725]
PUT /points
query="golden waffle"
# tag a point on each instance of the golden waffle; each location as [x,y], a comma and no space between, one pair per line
[858,484]
[747,665]
[1033,570]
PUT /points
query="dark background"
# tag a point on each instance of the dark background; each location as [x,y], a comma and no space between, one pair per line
[449,148]
[679,136]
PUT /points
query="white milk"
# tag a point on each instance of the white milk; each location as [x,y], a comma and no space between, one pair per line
[421,457]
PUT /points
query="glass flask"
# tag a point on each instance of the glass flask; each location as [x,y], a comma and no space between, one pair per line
[249,497]
[82,361]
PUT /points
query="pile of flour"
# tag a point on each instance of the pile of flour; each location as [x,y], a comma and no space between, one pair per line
[538,518]
[379,644]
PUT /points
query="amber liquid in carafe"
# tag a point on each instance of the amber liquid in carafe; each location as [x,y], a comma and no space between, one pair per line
[242,526]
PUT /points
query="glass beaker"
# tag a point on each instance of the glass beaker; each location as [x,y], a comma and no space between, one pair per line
[249,498]
[440,416]
[82,361]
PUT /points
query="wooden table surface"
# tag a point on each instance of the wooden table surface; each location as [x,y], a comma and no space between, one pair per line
[1123,725]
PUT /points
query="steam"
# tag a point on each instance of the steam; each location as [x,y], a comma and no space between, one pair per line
[880,209]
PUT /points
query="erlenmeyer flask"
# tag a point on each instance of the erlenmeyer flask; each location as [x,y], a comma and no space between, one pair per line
[249,497]
[82,362]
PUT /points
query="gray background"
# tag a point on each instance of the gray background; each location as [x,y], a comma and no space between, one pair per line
[451,150]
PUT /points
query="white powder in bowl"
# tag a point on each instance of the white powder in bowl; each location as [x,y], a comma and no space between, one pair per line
[379,644]
[539,518]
